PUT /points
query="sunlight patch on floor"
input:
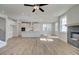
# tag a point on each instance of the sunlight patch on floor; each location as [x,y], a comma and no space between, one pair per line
[46,39]
[2,44]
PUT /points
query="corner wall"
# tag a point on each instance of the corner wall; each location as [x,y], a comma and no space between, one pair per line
[9,28]
[72,19]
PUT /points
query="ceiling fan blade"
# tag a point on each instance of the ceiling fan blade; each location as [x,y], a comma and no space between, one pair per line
[42,4]
[28,5]
[33,10]
[41,9]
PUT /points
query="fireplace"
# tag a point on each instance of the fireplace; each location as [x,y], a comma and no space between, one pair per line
[73,35]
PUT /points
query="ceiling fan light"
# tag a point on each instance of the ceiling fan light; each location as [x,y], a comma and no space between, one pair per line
[36,7]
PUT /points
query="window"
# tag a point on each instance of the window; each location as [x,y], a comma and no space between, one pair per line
[46,27]
[63,23]
[56,27]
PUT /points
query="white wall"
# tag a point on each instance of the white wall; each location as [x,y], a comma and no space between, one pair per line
[73,15]
[63,36]
[9,29]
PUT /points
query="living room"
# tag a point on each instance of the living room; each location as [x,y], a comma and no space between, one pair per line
[39,32]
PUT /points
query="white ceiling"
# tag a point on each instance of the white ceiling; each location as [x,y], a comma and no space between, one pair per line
[24,13]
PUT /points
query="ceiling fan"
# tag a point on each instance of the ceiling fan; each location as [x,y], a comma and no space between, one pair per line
[36,6]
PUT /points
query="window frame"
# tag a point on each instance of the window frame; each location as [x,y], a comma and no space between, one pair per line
[63,24]
[46,27]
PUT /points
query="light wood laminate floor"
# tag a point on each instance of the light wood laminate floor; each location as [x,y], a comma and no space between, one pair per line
[35,46]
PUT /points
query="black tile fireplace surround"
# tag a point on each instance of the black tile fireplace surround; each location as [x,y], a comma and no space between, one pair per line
[73,35]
